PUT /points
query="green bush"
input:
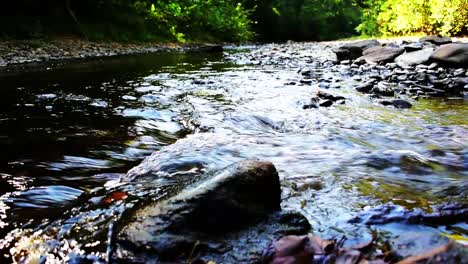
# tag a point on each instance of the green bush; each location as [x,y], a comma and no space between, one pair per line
[402,17]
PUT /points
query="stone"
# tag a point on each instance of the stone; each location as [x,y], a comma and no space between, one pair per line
[223,202]
[455,54]
[324,99]
[207,48]
[398,103]
[436,40]
[383,89]
[413,58]
[413,46]
[379,54]
[353,50]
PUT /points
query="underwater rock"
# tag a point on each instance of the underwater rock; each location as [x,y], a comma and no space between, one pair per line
[397,103]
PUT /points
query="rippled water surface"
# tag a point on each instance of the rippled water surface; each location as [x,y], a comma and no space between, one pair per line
[66,131]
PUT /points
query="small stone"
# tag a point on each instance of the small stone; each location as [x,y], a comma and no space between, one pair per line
[397,103]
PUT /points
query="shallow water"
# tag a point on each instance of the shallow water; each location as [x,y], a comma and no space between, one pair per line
[71,129]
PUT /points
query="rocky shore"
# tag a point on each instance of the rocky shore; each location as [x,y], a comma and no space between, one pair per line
[430,67]
[16,53]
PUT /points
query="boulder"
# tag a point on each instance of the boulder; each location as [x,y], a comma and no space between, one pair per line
[224,201]
[354,50]
[414,58]
[436,40]
[455,54]
[379,54]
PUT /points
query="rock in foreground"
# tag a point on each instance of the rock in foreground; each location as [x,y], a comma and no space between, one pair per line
[223,202]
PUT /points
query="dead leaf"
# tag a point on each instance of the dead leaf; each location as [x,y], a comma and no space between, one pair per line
[115,196]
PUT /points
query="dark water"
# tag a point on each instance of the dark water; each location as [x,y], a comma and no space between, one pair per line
[71,129]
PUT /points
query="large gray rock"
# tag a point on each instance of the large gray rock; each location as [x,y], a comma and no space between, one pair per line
[414,58]
[354,50]
[223,202]
[436,40]
[455,54]
[381,54]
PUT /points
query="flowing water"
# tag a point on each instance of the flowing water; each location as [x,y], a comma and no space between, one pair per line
[67,131]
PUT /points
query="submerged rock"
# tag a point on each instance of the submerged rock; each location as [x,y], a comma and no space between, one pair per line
[324,99]
[310,249]
[223,202]
[390,213]
[354,50]
[452,54]
[397,103]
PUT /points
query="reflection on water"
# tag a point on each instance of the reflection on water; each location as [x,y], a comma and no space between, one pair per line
[67,132]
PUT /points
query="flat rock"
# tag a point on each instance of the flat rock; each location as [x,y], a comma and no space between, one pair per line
[436,40]
[354,50]
[222,202]
[409,59]
[455,54]
[379,54]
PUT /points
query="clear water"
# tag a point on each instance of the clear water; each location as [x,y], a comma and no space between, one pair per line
[68,130]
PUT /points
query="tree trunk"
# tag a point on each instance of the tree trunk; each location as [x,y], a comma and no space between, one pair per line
[75,19]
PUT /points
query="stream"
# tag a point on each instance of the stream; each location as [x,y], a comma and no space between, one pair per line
[69,132]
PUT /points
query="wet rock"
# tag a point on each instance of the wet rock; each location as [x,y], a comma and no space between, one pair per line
[452,54]
[379,54]
[366,87]
[397,103]
[383,89]
[324,99]
[222,202]
[436,40]
[354,50]
[414,58]
[310,249]
[390,213]
[207,48]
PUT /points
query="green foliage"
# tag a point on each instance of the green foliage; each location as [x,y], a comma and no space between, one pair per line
[130,20]
[307,19]
[198,19]
[401,17]
[230,20]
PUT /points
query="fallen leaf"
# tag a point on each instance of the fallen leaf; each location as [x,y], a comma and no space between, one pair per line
[115,196]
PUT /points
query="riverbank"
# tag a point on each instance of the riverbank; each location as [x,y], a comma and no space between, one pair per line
[19,54]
